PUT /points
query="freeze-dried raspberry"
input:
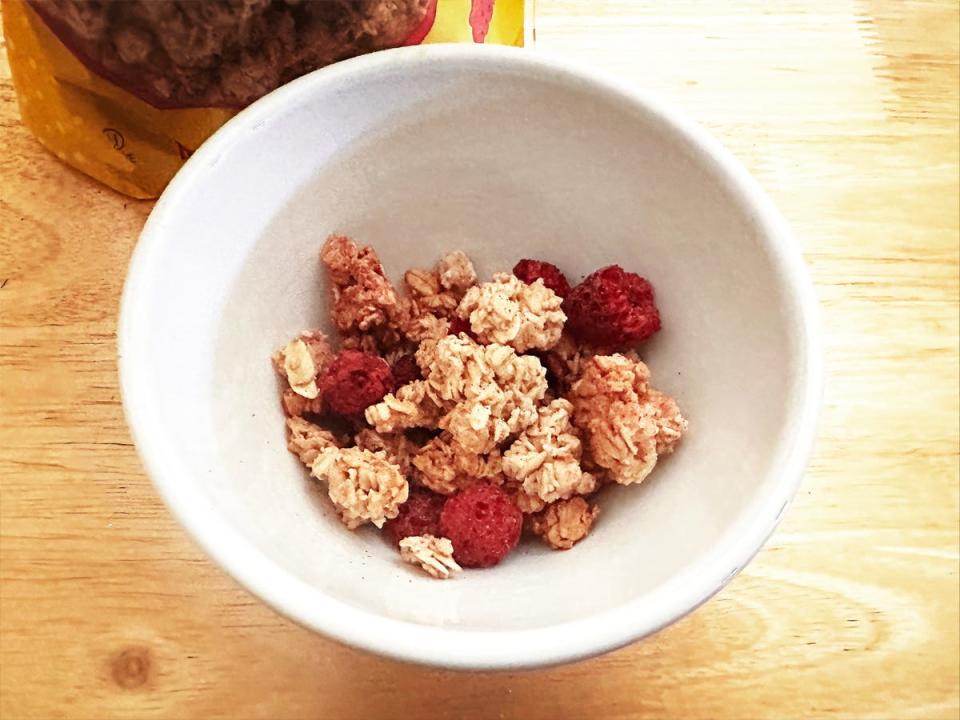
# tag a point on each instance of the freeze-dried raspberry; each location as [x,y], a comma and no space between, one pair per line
[612,308]
[419,515]
[354,381]
[459,325]
[529,270]
[406,370]
[483,523]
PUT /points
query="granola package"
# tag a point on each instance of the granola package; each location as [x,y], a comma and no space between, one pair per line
[126,90]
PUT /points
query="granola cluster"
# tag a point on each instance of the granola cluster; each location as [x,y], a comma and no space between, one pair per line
[433,297]
[364,486]
[432,554]
[511,312]
[565,522]
[363,297]
[472,400]
[627,425]
[545,459]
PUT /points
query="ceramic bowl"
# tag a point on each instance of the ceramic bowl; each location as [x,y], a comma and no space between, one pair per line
[504,154]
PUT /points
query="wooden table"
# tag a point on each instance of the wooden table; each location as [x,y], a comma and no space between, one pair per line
[847,111]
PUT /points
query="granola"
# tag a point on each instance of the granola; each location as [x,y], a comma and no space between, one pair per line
[671,425]
[444,467]
[363,297]
[302,360]
[607,408]
[410,406]
[545,459]
[531,502]
[363,486]
[381,340]
[417,322]
[396,447]
[456,272]
[510,312]
[444,386]
[306,440]
[565,522]
[432,297]
[564,361]
[489,391]
[434,555]
[296,405]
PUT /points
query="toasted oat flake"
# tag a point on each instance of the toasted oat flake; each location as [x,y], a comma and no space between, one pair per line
[434,555]
[418,322]
[422,283]
[671,425]
[300,369]
[301,361]
[306,440]
[295,405]
[409,407]
[396,447]
[527,503]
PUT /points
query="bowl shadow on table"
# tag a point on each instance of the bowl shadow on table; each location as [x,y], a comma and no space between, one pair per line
[650,667]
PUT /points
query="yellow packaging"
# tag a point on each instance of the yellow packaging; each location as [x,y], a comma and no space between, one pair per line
[131,143]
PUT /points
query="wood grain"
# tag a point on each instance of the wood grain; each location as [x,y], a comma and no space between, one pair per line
[847,112]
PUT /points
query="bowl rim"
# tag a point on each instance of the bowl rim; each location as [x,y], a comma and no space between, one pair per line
[439,646]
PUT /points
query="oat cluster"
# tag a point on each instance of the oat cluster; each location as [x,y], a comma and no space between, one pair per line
[510,312]
[626,424]
[432,554]
[364,486]
[565,522]
[494,393]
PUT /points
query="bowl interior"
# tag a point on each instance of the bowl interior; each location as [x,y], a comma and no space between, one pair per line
[504,159]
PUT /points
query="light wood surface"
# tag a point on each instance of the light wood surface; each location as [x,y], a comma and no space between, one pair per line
[847,112]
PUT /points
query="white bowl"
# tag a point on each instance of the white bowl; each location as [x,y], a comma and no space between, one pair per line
[504,154]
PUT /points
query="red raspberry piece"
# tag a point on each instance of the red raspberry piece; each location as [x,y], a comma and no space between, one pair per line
[612,308]
[419,515]
[459,325]
[354,381]
[406,370]
[483,524]
[529,270]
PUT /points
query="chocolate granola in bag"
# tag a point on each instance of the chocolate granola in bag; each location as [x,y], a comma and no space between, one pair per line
[125,90]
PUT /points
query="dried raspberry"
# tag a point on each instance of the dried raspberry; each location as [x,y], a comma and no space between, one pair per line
[529,270]
[406,370]
[483,523]
[459,325]
[612,308]
[354,381]
[555,371]
[419,515]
